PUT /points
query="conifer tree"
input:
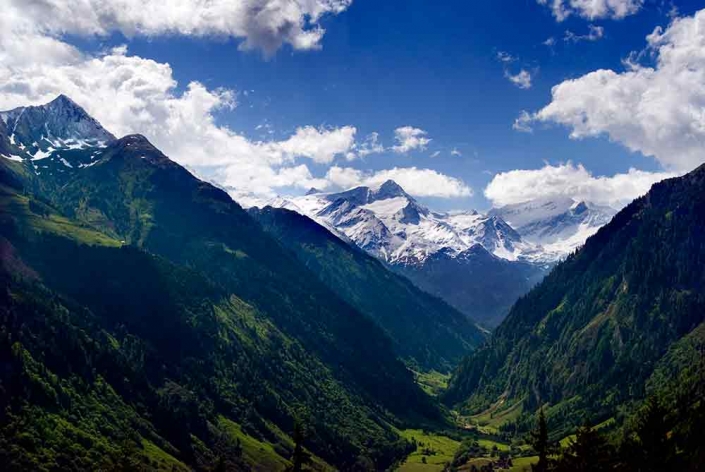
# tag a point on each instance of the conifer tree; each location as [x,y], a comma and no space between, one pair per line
[540,442]
[588,452]
[300,457]
[656,450]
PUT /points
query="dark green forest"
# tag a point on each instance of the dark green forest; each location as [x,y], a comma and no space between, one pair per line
[619,321]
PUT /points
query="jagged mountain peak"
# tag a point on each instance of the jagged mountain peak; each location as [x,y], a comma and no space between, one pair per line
[559,224]
[138,141]
[63,101]
[388,189]
[38,130]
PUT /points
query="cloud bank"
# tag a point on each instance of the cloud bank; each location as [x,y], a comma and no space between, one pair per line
[260,24]
[573,181]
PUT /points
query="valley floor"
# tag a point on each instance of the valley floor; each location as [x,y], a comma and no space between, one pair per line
[437,451]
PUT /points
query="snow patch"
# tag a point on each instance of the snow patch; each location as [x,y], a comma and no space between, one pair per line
[43,154]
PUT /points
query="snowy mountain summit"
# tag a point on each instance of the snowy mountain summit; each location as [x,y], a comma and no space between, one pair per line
[558,225]
[389,223]
[35,132]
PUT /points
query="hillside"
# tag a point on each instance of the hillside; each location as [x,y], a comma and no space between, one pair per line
[589,338]
[425,331]
[146,316]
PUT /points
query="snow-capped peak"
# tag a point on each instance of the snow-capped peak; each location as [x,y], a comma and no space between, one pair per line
[38,131]
[559,225]
[390,224]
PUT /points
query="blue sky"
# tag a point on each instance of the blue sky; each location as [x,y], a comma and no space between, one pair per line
[384,65]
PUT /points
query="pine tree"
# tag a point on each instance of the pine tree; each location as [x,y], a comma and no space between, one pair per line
[656,450]
[540,442]
[300,457]
[588,452]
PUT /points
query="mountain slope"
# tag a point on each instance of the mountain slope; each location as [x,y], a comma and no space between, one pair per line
[425,331]
[475,281]
[431,248]
[253,336]
[588,338]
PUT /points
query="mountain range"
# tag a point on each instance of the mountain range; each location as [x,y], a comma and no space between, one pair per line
[148,319]
[149,322]
[479,263]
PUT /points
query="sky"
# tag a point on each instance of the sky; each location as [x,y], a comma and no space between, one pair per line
[467,105]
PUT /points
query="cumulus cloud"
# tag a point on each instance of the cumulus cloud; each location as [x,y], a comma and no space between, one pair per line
[409,139]
[522,79]
[593,9]
[260,24]
[569,180]
[523,122]
[319,144]
[656,110]
[417,182]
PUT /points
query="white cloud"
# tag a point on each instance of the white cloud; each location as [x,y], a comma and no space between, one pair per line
[569,180]
[521,79]
[260,24]
[370,145]
[658,111]
[436,154]
[505,57]
[409,138]
[595,33]
[523,122]
[593,9]
[456,152]
[417,182]
[550,42]
[320,144]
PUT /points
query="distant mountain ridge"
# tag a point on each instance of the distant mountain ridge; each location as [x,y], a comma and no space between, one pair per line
[558,225]
[480,264]
[392,225]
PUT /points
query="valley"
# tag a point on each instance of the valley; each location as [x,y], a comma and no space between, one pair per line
[149,322]
[338,235]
